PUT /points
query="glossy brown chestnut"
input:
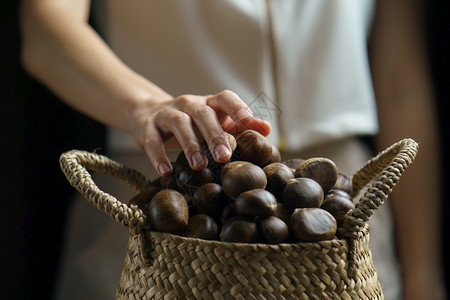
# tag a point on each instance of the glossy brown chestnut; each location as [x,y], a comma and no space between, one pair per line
[202,226]
[343,182]
[252,146]
[274,157]
[283,213]
[239,230]
[242,177]
[231,141]
[228,212]
[302,192]
[339,192]
[273,230]
[230,166]
[189,180]
[257,202]
[210,199]
[278,175]
[293,163]
[337,205]
[168,211]
[312,225]
[188,197]
[142,199]
[321,169]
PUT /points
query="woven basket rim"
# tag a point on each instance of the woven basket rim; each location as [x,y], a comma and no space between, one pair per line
[325,243]
[387,168]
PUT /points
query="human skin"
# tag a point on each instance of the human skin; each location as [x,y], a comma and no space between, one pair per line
[61,50]
[67,55]
[406,108]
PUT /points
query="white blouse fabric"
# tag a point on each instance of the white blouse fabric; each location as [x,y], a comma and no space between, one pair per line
[302,65]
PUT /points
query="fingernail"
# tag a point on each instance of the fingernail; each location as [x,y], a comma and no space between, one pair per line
[243,113]
[197,160]
[163,169]
[220,151]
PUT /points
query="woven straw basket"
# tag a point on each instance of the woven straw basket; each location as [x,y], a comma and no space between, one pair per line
[165,266]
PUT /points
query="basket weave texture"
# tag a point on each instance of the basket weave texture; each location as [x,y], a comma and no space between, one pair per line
[165,266]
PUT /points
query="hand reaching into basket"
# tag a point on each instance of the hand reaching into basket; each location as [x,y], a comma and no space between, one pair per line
[190,119]
[62,51]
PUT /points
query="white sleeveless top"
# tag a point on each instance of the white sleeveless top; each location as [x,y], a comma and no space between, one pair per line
[311,81]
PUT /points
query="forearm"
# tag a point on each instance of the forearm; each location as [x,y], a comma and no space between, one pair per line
[406,108]
[416,199]
[63,52]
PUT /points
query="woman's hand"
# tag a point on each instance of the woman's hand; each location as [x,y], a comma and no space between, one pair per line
[191,119]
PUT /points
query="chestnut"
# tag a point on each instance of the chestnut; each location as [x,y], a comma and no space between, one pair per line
[168,211]
[312,225]
[202,226]
[228,212]
[252,146]
[343,182]
[302,192]
[273,230]
[241,177]
[338,205]
[293,163]
[210,199]
[180,163]
[321,169]
[188,197]
[189,180]
[274,157]
[283,213]
[230,166]
[231,141]
[277,175]
[257,202]
[239,230]
[339,192]
[142,199]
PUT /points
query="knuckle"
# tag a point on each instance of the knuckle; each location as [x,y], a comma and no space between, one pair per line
[184,100]
[203,111]
[179,118]
[227,94]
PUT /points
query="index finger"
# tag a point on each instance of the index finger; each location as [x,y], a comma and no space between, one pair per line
[229,103]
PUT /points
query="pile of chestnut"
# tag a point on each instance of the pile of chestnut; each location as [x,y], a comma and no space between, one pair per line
[253,198]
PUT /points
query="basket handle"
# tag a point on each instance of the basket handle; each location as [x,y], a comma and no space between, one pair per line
[75,165]
[383,172]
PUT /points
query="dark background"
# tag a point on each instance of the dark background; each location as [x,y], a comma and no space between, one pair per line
[36,128]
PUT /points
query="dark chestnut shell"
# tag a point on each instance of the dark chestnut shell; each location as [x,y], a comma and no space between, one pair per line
[252,146]
[241,178]
[239,230]
[168,211]
[202,226]
[273,230]
[312,225]
[257,202]
[301,193]
[321,169]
